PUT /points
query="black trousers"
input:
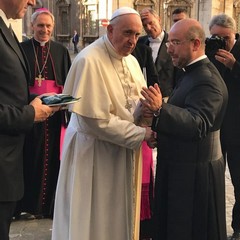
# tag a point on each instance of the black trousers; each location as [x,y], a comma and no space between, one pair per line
[232,156]
[6,213]
[75,48]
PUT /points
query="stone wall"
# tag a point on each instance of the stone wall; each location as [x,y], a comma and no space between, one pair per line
[202,10]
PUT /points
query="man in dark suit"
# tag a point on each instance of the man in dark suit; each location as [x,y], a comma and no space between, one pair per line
[143,54]
[228,63]
[190,184]
[75,40]
[156,39]
[16,114]
[179,14]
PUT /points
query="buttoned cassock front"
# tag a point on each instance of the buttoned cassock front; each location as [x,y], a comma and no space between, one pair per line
[190,183]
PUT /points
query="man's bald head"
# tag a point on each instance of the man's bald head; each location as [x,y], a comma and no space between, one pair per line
[191,28]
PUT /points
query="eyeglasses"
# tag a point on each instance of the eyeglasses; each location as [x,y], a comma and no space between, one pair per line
[175,43]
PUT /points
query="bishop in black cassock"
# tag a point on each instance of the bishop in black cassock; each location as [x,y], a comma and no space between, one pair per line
[41,164]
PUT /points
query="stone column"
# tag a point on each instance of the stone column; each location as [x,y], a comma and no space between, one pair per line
[209,8]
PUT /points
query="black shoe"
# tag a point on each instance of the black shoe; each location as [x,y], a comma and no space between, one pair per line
[24,216]
[235,236]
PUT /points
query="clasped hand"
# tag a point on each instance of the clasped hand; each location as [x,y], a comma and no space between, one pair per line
[152,101]
[150,138]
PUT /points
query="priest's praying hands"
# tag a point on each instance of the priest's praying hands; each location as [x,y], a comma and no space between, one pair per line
[153,100]
[152,103]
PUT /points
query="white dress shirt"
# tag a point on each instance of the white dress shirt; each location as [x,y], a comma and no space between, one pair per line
[155,45]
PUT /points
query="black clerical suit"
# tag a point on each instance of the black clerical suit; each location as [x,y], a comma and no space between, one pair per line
[230,131]
[143,54]
[16,118]
[164,66]
[190,183]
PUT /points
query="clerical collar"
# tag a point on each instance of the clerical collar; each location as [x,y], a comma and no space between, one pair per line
[42,44]
[158,39]
[194,61]
[4,18]
[111,48]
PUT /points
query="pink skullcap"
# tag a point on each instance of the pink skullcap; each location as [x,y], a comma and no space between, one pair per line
[42,10]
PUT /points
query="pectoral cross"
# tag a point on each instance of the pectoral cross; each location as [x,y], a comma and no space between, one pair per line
[39,79]
[128,106]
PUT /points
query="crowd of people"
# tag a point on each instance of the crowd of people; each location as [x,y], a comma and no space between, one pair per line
[90,167]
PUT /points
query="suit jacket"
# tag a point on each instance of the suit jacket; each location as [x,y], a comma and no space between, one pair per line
[143,54]
[231,128]
[16,116]
[75,39]
[164,66]
[190,166]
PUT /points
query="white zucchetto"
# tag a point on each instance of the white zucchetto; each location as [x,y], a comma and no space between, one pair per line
[123,11]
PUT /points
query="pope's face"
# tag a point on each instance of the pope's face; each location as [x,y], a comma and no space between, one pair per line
[43,27]
[16,9]
[123,33]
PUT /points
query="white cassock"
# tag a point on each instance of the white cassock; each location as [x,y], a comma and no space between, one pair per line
[98,191]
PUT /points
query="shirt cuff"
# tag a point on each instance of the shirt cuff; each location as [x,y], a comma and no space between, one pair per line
[157,113]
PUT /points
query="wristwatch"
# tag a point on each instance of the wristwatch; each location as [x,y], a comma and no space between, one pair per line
[157,113]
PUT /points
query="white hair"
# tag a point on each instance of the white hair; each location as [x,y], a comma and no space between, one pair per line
[39,12]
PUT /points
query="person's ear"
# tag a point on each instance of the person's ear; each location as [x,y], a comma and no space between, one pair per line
[109,28]
[196,43]
[110,31]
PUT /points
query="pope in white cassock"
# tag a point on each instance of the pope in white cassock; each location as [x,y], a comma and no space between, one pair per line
[98,192]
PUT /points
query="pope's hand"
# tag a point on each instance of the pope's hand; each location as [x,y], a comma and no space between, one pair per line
[150,138]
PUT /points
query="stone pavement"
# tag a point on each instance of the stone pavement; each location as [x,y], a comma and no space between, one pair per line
[37,229]
[40,229]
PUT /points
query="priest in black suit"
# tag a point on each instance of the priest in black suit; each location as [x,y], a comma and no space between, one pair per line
[16,114]
[190,180]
